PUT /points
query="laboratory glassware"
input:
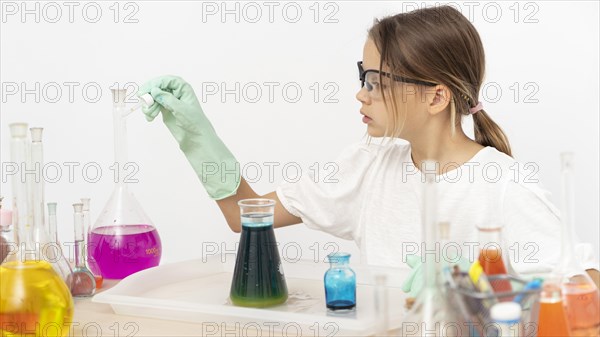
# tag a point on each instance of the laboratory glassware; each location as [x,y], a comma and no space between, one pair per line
[146,100]
[123,240]
[83,283]
[35,185]
[52,230]
[37,161]
[382,305]
[431,313]
[54,249]
[340,283]
[507,316]
[86,230]
[492,257]
[258,278]
[552,317]
[580,293]
[7,236]
[36,301]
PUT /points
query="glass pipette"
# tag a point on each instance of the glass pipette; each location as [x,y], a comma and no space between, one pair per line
[146,100]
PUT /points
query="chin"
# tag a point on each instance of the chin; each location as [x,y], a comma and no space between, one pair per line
[374,132]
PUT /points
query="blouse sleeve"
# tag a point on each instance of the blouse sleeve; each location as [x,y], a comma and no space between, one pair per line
[331,202]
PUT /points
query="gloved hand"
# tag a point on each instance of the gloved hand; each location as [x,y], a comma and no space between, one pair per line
[213,163]
[414,282]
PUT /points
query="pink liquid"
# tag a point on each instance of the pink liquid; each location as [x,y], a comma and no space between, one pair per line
[583,308]
[119,251]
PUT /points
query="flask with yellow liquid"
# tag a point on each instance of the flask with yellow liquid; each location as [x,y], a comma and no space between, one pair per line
[34,298]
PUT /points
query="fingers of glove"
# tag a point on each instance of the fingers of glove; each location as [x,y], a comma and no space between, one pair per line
[167,100]
[413,260]
[151,112]
[173,84]
[170,103]
[162,82]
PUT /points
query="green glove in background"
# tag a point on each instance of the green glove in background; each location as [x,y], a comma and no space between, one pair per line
[414,282]
[213,163]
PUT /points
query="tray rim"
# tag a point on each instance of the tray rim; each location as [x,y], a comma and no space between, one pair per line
[120,303]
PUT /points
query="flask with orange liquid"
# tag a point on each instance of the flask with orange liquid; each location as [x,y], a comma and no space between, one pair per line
[580,293]
[492,257]
[552,320]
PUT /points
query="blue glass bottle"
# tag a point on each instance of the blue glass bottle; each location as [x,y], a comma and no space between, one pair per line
[340,283]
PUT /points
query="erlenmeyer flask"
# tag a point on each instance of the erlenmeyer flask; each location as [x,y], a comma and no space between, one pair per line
[431,313]
[35,299]
[258,279]
[580,293]
[492,257]
[552,320]
[123,240]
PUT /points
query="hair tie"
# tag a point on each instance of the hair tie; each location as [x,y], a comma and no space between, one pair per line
[476,108]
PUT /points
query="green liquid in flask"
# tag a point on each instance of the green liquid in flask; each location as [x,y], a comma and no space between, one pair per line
[258,279]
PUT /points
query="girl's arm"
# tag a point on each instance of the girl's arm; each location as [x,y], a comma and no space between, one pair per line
[595,275]
[231,210]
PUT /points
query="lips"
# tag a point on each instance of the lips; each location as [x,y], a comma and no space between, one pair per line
[366,119]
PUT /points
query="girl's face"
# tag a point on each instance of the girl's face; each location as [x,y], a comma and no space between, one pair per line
[412,111]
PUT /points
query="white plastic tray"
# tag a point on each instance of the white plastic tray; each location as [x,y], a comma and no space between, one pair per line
[197,291]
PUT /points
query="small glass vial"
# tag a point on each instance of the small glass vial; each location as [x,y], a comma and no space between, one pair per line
[340,283]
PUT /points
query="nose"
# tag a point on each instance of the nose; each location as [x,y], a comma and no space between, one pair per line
[363,96]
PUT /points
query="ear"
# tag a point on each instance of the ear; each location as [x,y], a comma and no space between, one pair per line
[440,99]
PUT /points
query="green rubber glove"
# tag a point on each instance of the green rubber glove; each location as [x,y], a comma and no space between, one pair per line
[414,282]
[213,163]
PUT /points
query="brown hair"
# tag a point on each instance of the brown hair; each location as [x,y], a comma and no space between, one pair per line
[439,45]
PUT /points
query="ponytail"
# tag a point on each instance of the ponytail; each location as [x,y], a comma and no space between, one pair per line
[488,133]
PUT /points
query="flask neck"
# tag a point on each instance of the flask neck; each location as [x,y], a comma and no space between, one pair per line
[120,134]
[341,261]
[490,237]
[568,213]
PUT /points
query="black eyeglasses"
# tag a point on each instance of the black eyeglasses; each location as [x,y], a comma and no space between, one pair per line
[362,75]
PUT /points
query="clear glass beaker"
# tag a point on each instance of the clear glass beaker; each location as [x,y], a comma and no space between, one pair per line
[580,293]
[340,283]
[36,301]
[258,278]
[123,240]
[431,314]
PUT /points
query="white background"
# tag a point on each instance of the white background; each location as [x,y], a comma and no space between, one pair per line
[551,45]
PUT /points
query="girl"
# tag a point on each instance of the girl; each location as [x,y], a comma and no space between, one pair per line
[421,73]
